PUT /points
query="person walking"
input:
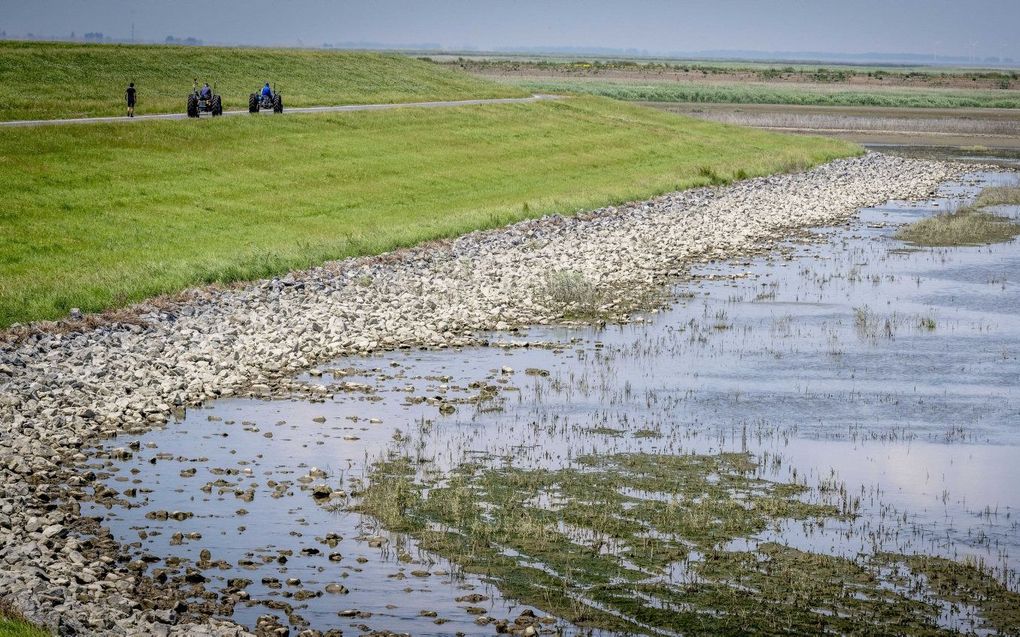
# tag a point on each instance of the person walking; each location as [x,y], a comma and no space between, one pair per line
[130,93]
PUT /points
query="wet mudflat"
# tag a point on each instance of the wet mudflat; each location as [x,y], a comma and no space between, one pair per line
[827,413]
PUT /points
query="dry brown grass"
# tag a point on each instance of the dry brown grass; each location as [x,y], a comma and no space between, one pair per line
[999,196]
[967,225]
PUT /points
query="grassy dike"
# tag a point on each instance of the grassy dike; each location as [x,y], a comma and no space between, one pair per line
[45,80]
[103,215]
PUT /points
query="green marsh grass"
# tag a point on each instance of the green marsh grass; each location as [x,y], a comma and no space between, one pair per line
[967,225]
[601,544]
[104,215]
[45,80]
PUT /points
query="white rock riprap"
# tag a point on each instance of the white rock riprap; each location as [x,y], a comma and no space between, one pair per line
[61,391]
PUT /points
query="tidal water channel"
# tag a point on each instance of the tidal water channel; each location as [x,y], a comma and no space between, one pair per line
[846,361]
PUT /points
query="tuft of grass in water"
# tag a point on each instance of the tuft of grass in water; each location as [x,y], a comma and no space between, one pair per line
[963,227]
[967,225]
[639,543]
[998,196]
[105,215]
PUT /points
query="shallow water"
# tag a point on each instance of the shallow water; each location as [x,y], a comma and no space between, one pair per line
[847,355]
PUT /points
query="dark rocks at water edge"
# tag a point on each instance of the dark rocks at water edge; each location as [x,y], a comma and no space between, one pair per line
[62,390]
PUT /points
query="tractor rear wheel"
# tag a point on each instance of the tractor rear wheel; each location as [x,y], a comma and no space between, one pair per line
[253,103]
[192,106]
[278,104]
[217,106]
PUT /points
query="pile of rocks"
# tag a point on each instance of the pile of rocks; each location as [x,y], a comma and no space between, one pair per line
[62,389]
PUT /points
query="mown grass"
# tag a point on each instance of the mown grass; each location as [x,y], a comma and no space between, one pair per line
[769,94]
[967,225]
[103,215]
[41,80]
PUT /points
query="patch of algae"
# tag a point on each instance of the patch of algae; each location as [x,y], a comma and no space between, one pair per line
[635,543]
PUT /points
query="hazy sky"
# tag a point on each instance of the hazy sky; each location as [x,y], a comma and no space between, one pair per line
[952,27]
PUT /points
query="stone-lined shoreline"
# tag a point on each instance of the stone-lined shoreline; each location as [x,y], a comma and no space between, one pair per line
[63,390]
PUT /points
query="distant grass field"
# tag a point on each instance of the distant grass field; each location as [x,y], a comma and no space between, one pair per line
[41,80]
[825,95]
[103,215]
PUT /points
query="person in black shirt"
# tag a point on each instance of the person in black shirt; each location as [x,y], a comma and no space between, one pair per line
[130,94]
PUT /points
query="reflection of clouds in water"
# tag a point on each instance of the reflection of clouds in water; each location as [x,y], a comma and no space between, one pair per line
[915,474]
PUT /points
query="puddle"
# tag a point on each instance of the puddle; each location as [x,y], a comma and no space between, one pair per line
[848,363]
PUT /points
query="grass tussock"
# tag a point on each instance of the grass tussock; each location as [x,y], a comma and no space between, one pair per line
[104,215]
[998,196]
[573,293]
[967,225]
[50,79]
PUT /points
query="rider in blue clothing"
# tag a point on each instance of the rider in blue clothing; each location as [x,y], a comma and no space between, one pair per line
[206,92]
[266,91]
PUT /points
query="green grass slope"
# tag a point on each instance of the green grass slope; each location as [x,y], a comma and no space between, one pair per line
[18,628]
[40,80]
[102,215]
[12,624]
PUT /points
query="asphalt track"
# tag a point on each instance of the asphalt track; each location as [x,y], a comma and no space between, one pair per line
[286,111]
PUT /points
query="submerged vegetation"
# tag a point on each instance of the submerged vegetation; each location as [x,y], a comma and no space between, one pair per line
[645,543]
[967,225]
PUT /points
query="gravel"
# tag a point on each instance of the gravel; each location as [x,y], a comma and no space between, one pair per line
[64,388]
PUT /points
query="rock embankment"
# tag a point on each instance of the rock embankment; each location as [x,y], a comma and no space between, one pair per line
[62,390]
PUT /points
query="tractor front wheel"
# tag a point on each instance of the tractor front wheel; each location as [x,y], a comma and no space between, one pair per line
[217,106]
[278,104]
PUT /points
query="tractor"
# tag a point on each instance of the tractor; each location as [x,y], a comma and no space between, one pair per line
[259,102]
[197,104]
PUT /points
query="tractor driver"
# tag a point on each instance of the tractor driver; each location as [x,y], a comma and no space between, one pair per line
[206,91]
[266,91]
